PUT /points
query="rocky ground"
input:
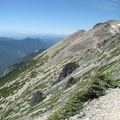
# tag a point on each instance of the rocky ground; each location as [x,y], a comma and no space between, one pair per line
[105,108]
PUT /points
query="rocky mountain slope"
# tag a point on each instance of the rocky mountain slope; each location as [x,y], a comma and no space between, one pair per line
[49,83]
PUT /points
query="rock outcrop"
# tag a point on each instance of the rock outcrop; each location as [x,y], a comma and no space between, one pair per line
[69,83]
[37,97]
[67,70]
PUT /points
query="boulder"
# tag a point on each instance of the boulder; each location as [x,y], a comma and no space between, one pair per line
[67,70]
[37,97]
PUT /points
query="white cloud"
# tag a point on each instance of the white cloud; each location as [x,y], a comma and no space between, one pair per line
[63,33]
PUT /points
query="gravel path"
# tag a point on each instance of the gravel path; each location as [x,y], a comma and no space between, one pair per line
[105,108]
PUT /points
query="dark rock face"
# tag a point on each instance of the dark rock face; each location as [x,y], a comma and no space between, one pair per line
[97,25]
[37,97]
[67,70]
[69,83]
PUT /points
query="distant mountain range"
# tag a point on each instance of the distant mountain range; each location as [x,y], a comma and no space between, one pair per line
[16,63]
[12,50]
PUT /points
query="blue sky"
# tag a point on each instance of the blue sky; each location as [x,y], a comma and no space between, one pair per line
[55,16]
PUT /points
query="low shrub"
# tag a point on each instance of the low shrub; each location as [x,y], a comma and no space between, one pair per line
[96,88]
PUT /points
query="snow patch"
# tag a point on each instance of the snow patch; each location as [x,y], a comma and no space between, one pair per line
[113,26]
[36,51]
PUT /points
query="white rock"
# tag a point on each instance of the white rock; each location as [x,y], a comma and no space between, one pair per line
[80,115]
[87,119]
[118,24]
[113,26]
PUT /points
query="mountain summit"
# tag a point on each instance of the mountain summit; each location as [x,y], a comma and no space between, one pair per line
[62,80]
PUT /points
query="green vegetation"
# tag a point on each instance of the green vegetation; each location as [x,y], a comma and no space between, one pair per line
[96,88]
[19,72]
[36,114]
[25,67]
[8,112]
[55,116]
[6,91]
[75,80]
[107,66]
[33,74]
[41,86]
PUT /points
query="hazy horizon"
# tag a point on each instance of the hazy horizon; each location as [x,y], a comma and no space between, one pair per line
[32,35]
